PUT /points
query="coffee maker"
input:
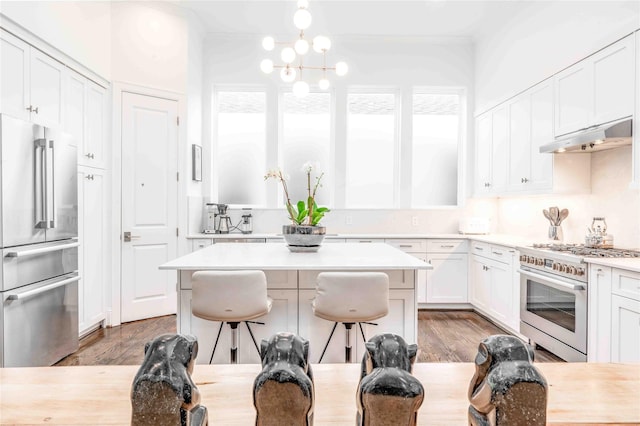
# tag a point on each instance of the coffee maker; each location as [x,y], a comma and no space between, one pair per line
[217,220]
[224,221]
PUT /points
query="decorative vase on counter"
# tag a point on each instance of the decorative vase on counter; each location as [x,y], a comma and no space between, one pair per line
[303,238]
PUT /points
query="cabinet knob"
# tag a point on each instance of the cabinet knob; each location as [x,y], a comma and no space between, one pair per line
[89,155]
[524,180]
[89,177]
[30,108]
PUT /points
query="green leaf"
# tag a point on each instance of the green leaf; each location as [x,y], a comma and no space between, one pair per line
[301,215]
[321,209]
[301,206]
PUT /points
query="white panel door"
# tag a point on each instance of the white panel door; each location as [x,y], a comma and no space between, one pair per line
[484,134]
[520,140]
[94,142]
[47,85]
[149,210]
[574,99]
[625,329]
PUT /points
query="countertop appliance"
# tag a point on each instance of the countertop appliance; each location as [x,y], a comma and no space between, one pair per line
[553,295]
[39,244]
[596,138]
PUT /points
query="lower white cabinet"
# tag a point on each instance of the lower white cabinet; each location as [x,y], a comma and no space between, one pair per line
[494,287]
[625,329]
[92,253]
[614,315]
[447,281]
[283,317]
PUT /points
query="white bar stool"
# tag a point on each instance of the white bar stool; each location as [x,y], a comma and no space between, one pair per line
[230,297]
[350,298]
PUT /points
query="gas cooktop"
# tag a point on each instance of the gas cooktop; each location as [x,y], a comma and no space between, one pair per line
[584,251]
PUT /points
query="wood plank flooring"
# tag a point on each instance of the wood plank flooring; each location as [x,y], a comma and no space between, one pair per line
[443,336]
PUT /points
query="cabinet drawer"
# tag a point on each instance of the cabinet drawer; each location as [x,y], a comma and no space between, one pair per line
[398,278]
[446,246]
[200,243]
[408,246]
[365,240]
[502,254]
[625,283]
[481,249]
[276,279]
[238,240]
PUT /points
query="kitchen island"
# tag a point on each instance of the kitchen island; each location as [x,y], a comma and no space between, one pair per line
[291,279]
[579,394]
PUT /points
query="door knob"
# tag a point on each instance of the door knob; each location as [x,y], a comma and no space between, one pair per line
[128,237]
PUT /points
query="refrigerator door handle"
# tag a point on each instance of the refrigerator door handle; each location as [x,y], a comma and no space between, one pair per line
[51,219]
[42,250]
[41,220]
[43,289]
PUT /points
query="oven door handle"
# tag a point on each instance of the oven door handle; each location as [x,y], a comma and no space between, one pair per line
[43,289]
[560,285]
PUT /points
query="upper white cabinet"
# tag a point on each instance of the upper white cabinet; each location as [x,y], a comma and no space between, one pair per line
[636,134]
[492,145]
[86,118]
[597,89]
[32,83]
[531,125]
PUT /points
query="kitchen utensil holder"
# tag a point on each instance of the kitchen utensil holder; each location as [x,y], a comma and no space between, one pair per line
[555,233]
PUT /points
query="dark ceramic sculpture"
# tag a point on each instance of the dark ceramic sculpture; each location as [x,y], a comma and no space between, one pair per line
[506,388]
[283,392]
[387,393]
[163,392]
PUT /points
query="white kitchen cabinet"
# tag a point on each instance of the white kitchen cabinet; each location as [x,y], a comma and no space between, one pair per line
[599,314]
[86,116]
[484,132]
[492,150]
[596,90]
[282,317]
[531,125]
[32,83]
[200,243]
[447,281]
[625,329]
[92,261]
[494,288]
[418,249]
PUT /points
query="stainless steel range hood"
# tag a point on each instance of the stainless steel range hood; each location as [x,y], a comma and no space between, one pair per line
[597,138]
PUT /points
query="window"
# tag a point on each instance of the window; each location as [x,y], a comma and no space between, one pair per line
[370,150]
[436,135]
[306,136]
[241,147]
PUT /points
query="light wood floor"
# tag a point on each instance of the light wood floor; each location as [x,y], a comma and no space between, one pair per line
[443,336]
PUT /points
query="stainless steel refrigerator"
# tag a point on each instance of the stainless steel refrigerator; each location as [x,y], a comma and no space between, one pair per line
[38,243]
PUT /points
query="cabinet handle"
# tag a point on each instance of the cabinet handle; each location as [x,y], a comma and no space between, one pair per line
[30,108]
[446,245]
[497,253]
[524,180]
[478,248]
[89,155]
[89,177]
[405,245]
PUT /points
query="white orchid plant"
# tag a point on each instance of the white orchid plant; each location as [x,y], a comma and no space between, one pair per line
[302,213]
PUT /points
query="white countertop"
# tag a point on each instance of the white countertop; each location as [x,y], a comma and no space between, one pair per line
[630,264]
[276,256]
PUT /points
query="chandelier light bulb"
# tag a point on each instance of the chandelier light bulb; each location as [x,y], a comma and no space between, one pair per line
[301,46]
[300,89]
[302,19]
[268,43]
[342,68]
[323,84]
[321,44]
[288,74]
[266,66]
[303,4]
[288,55]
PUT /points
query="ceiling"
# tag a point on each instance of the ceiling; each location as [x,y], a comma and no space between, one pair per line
[417,18]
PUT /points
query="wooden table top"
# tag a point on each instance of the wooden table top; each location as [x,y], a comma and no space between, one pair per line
[579,393]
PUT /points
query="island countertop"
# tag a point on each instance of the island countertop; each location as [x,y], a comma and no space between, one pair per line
[276,256]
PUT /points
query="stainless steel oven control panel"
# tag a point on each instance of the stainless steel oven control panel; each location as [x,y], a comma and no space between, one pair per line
[573,270]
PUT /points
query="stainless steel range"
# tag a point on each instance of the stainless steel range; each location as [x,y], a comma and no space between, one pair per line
[553,295]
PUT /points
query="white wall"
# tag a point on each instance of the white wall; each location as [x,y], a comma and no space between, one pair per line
[399,63]
[81,30]
[544,38]
[610,197]
[150,45]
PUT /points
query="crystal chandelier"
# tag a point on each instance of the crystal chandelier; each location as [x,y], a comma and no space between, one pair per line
[297,50]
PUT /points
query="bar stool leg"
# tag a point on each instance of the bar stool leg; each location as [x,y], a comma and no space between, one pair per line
[347,346]
[215,345]
[335,324]
[234,342]
[251,333]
